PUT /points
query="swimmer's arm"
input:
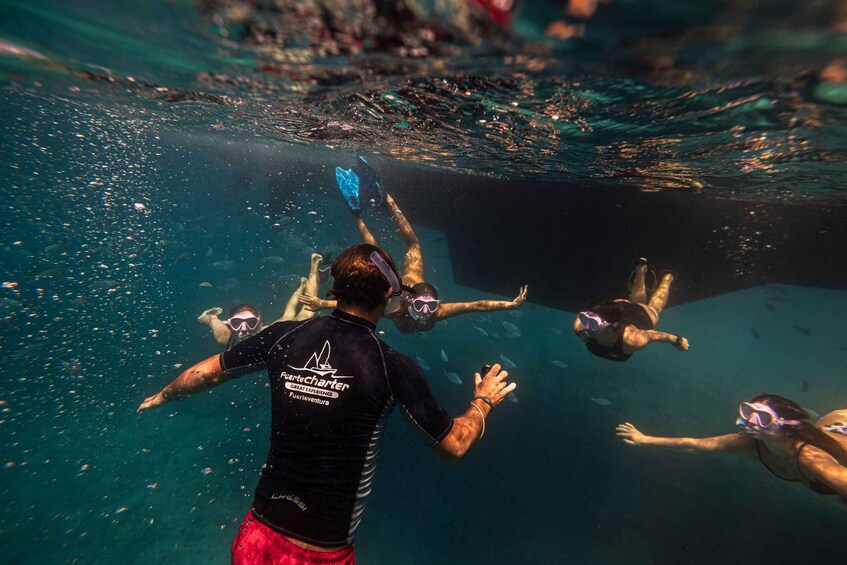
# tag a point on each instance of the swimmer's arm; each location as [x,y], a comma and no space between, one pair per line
[636,339]
[315,304]
[203,376]
[729,442]
[456,308]
[818,464]
[221,332]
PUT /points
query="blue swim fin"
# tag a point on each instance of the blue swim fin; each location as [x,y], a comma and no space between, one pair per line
[348,184]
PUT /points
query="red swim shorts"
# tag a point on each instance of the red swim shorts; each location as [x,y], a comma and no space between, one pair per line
[257,544]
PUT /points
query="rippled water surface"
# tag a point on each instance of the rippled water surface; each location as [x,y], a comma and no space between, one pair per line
[139,142]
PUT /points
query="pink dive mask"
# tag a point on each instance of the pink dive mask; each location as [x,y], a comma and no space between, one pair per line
[761,416]
[592,322]
[243,323]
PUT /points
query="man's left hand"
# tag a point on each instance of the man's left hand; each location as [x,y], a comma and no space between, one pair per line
[157,399]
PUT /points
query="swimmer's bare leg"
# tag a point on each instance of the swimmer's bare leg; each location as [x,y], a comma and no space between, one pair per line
[312,286]
[638,292]
[366,234]
[660,296]
[413,267]
[291,306]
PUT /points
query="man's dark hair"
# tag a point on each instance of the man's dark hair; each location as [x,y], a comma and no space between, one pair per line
[244,308]
[357,279]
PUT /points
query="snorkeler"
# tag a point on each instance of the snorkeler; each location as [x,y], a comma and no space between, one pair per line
[615,329]
[776,431]
[419,307]
[244,320]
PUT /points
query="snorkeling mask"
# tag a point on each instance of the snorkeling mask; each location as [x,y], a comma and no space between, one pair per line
[591,323]
[243,323]
[757,416]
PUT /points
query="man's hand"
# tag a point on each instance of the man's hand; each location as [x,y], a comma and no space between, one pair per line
[519,299]
[157,399]
[630,434]
[311,303]
[683,344]
[493,385]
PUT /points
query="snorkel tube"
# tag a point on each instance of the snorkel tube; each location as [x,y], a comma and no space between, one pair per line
[388,273]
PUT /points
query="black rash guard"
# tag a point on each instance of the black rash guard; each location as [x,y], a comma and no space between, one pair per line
[333,384]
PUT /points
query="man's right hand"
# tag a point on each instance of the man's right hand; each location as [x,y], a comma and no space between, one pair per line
[493,385]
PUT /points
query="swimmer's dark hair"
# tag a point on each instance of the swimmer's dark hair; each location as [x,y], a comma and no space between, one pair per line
[425,289]
[244,308]
[357,281]
[805,432]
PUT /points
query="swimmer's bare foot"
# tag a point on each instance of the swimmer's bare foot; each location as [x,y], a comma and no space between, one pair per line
[206,317]
[317,259]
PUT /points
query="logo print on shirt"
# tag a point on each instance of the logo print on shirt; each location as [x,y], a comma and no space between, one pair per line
[319,364]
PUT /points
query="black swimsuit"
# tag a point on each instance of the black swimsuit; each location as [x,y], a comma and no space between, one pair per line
[620,314]
[817,486]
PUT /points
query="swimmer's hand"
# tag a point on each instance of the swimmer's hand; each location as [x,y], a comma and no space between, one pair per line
[494,385]
[206,317]
[683,344]
[630,434]
[157,399]
[521,297]
[311,303]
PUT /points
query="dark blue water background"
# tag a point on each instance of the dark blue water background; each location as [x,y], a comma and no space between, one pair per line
[118,196]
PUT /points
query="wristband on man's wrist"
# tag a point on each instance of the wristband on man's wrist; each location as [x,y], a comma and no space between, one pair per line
[482,416]
[678,341]
[484,399]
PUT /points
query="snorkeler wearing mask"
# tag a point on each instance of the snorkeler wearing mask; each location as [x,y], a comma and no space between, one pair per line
[778,432]
[418,308]
[615,329]
[244,320]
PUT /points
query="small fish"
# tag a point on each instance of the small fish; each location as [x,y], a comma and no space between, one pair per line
[54,248]
[601,401]
[554,331]
[481,331]
[802,331]
[274,260]
[804,385]
[422,362]
[121,509]
[444,356]
[454,378]
[106,284]
[506,362]
[209,253]
[222,265]
[516,314]
[769,306]
[182,258]
[206,284]
[559,364]
[53,273]
[512,397]
[511,329]
[754,332]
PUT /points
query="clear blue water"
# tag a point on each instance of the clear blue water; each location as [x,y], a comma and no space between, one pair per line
[108,291]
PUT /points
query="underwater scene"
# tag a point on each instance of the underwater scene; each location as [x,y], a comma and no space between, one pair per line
[165,162]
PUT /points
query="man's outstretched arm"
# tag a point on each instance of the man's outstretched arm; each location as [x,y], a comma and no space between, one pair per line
[203,376]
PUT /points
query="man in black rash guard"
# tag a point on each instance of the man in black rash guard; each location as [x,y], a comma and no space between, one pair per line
[333,384]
